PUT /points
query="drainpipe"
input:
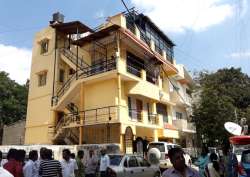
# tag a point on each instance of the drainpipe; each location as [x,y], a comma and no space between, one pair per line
[54,73]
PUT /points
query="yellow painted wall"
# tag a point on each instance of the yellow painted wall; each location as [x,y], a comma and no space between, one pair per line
[100,94]
[39,99]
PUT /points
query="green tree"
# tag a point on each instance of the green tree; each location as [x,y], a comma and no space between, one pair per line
[13,102]
[220,95]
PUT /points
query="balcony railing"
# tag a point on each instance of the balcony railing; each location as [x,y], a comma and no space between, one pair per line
[73,58]
[98,68]
[145,38]
[101,115]
[152,118]
[151,78]
[133,70]
[135,115]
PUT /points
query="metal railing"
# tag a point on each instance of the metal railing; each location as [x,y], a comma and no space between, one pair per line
[135,115]
[151,78]
[133,70]
[152,118]
[107,114]
[144,38]
[104,66]
[73,58]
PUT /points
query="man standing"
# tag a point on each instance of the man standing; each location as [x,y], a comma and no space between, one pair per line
[80,171]
[31,169]
[104,163]
[179,168]
[48,166]
[230,161]
[91,164]
[68,165]
[13,166]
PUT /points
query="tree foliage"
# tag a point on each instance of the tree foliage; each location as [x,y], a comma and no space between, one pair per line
[13,102]
[221,94]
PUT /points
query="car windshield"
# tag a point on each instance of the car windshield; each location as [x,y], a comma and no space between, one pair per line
[159,146]
[115,159]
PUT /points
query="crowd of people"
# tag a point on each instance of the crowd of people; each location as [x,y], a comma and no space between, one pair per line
[215,166]
[209,165]
[46,166]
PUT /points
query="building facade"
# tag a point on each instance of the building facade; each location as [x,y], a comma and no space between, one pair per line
[110,85]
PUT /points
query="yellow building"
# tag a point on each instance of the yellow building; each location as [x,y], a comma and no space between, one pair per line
[111,85]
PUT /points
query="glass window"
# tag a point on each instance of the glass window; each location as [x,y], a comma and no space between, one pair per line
[115,160]
[44,46]
[178,115]
[142,162]
[159,146]
[42,77]
[129,107]
[132,162]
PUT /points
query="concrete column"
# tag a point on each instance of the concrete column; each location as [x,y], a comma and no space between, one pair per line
[119,94]
[152,45]
[154,111]
[143,75]
[170,114]
[137,33]
[159,82]
[80,135]
[164,54]
[81,108]
[155,135]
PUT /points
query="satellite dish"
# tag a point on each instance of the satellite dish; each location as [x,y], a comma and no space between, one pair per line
[233,128]
[154,156]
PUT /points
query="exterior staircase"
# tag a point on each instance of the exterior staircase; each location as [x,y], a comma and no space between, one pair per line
[67,135]
[84,70]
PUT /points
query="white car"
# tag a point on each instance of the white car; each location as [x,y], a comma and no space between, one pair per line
[131,166]
[164,147]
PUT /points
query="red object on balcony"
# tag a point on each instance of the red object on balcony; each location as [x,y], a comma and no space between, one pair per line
[169,126]
[240,140]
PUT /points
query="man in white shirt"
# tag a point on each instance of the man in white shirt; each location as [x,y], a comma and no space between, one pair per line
[31,168]
[104,163]
[5,173]
[68,165]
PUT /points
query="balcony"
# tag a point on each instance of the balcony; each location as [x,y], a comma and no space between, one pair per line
[180,98]
[95,69]
[184,125]
[101,115]
[135,115]
[133,70]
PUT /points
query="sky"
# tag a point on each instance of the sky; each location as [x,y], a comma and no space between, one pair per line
[209,34]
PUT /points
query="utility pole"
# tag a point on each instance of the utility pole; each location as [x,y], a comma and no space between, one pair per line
[236,117]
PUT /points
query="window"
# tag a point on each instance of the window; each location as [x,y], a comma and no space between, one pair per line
[142,162]
[42,77]
[162,110]
[44,46]
[129,107]
[132,162]
[178,115]
[61,75]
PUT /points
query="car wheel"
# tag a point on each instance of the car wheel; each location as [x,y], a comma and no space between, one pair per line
[157,174]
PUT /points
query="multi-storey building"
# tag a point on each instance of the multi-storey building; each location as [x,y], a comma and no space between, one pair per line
[110,85]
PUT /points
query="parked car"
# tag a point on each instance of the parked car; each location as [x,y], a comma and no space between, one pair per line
[164,147]
[131,166]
